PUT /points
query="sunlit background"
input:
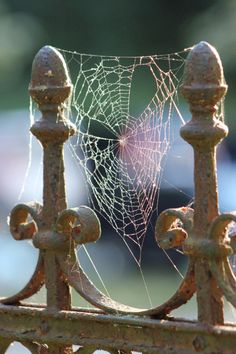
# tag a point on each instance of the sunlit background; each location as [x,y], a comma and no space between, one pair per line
[112,28]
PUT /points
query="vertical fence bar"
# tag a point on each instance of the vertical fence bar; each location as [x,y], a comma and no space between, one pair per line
[203,87]
[49,87]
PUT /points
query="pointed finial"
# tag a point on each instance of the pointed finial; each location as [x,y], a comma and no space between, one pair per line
[203,75]
[50,82]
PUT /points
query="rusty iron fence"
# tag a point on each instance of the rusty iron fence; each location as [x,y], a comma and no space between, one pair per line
[56,231]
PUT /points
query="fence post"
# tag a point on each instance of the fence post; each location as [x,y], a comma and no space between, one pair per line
[50,86]
[203,87]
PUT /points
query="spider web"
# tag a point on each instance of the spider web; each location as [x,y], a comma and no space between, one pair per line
[123,108]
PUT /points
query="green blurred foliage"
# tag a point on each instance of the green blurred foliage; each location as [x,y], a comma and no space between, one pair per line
[107,27]
[217,25]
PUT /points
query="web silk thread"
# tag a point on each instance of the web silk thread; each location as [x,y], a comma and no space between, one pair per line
[122,150]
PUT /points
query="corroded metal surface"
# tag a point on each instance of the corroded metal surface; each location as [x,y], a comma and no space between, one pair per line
[50,86]
[32,287]
[4,345]
[114,331]
[203,86]
[77,278]
[22,229]
[81,224]
[59,230]
[56,231]
[35,348]
[81,283]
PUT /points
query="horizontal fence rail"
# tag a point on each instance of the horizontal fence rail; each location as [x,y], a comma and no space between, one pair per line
[56,231]
[95,330]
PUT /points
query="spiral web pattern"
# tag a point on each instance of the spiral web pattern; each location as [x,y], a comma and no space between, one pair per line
[120,145]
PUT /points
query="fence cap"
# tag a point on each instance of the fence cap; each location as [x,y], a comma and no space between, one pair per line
[49,69]
[50,86]
[50,81]
[203,67]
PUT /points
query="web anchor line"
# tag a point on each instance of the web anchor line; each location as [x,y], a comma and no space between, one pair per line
[122,108]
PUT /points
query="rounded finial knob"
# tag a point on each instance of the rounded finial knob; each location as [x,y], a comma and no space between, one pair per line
[203,66]
[50,81]
[203,78]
